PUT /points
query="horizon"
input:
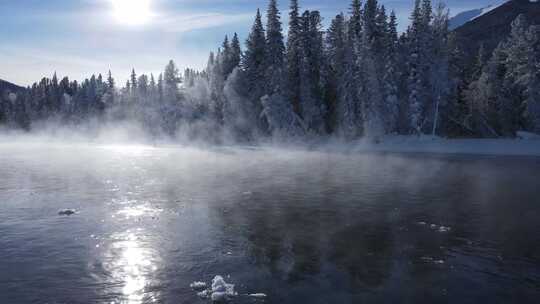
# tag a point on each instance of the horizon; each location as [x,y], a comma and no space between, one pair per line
[117,37]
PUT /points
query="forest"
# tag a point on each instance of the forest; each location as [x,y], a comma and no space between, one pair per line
[357,77]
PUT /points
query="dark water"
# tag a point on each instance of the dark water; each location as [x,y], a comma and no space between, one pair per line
[302,227]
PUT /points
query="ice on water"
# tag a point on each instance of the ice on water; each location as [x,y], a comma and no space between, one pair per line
[220,290]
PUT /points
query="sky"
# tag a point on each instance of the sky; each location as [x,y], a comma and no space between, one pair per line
[78,38]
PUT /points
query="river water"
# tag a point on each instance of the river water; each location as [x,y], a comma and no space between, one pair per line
[298,226]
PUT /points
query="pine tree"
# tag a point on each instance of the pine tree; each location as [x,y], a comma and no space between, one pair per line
[532,102]
[370,19]
[171,81]
[416,84]
[160,86]
[439,81]
[349,110]
[311,95]
[275,50]
[294,54]
[253,64]
[133,82]
[355,21]
[391,76]
[518,50]
[335,71]
[236,52]
[110,81]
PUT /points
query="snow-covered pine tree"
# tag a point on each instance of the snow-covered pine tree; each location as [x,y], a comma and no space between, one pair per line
[533,81]
[335,44]
[293,57]
[416,84]
[438,77]
[170,108]
[391,75]
[485,96]
[275,50]
[349,110]
[225,58]
[369,20]
[371,91]
[253,64]
[519,51]
[236,52]
[355,20]
[216,82]
[311,95]
[133,79]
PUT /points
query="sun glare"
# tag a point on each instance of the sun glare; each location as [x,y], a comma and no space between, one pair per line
[132,12]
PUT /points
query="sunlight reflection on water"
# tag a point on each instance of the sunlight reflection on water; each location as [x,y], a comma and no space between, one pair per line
[132,264]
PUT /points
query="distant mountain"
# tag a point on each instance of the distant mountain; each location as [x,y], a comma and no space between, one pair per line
[466,16]
[8,87]
[494,25]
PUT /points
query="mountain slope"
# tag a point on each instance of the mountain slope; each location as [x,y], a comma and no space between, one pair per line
[466,16]
[494,26]
[9,87]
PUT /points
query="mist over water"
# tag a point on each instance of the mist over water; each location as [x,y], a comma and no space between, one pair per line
[301,226]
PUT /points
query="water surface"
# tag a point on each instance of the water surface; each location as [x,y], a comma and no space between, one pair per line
[300,226]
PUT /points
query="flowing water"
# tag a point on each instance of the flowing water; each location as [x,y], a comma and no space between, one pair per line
[299,226]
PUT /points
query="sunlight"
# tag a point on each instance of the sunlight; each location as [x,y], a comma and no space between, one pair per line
[132,12]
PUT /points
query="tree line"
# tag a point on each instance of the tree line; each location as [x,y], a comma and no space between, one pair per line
[359,77]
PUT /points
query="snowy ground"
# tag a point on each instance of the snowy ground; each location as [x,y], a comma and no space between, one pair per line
[427,144]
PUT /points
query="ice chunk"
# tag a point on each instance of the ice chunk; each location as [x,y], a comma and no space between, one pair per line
[219,285]
[220,296]
[205,294]
[257,295]
[444,229]
[67,212]
[198,285]
[220,290]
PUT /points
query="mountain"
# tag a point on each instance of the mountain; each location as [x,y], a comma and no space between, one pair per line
[466,16]
[494,25]
[8,87]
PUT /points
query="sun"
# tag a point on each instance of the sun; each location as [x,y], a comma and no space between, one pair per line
[132,12]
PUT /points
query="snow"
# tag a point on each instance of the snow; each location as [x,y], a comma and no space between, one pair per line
[430,144]
[527,135]
[491,7]
[198,285]
[220,290]
[466,16]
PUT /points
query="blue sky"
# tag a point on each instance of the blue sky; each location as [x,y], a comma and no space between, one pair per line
[80,37]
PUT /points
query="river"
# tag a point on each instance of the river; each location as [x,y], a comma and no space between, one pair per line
[299,226]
